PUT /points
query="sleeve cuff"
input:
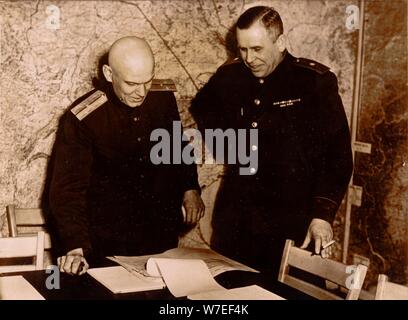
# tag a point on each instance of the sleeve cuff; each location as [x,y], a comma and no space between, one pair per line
[71,244]
[324,208]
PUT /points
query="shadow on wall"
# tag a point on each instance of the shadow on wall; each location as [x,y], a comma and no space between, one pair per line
[99,81]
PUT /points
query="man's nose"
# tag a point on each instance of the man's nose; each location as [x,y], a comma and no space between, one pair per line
[250,57]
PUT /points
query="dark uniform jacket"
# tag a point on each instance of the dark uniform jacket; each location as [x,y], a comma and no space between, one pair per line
[105,194]
[305,159]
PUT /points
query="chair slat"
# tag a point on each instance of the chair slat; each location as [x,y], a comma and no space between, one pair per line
[18,268]
[325,268]
[29,216]
[387,290]
[310,289]
[18,247]
[47,239]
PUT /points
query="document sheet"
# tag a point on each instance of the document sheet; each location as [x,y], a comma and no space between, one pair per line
[17,288]
[118,280]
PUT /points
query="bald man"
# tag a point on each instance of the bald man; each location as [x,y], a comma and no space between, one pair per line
[106,196]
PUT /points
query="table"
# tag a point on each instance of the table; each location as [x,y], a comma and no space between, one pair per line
[87,288]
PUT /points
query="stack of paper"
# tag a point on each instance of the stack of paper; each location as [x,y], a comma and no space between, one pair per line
[119,280]
[17,288]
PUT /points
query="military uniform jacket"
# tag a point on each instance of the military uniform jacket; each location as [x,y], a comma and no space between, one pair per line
[104,185]
[305,159]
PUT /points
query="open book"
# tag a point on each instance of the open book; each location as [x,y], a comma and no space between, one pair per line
[215,262]
[185,271]
[140,273]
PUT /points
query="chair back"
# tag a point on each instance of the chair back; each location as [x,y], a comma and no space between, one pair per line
[26,222]
[22,247]
[387,290]
[349,277]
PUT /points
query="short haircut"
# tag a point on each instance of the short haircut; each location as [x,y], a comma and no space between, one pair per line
[269,17]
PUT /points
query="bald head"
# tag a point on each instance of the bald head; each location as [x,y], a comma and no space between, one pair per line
[131,53]
[130,69]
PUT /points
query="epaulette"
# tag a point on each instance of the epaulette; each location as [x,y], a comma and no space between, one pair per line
[90,104]
[232,61]
[163,85]
[311,64]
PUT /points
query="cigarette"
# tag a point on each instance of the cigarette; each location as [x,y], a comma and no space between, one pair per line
[328,244]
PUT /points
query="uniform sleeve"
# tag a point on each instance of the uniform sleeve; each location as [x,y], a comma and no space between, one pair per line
[205,107]
[69,184]
[336,163]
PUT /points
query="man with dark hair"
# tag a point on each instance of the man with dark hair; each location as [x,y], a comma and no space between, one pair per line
[106,195]
[304,152]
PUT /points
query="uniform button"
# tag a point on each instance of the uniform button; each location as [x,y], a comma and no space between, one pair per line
[252,170]
[254,124]
[140,159]
[139,139]
[136,119]
[254,148]
[261,81]
[142,176]
[257,102]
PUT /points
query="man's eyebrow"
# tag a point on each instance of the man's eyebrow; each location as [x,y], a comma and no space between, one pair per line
[132,82]
[253,47]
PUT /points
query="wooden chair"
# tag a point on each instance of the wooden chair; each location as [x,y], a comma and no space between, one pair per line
[349,277]
[387,290]
[26,222]
[22,247]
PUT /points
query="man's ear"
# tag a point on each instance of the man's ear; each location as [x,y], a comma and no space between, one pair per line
[281,43]
[107,72]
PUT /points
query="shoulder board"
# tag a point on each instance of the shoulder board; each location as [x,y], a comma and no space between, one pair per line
[233,61]
[90,104]
[163,85]
[311,64]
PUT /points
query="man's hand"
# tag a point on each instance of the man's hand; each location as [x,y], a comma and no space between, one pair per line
[194,207]
[321,232]
[73,262]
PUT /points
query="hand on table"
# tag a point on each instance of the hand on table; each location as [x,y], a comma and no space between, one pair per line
[73,263]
